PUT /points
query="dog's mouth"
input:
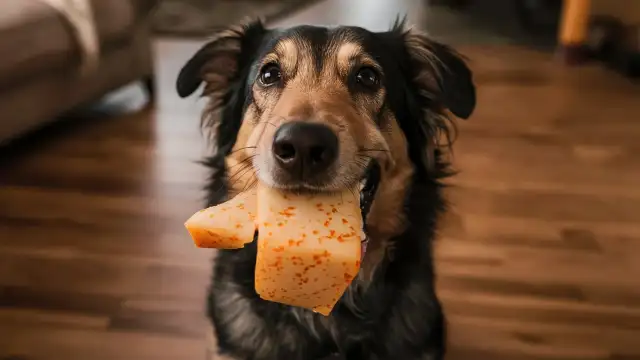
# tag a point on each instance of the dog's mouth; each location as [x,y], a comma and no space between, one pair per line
[368,187]
[370,184]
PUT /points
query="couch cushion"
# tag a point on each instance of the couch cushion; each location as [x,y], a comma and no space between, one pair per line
[34,37]
[114,18]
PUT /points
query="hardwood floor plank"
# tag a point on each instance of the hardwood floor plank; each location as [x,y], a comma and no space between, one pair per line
[40,318]
[65,300]
[175,323]
[543,339]
[107,276]
[565,312]
[74,344]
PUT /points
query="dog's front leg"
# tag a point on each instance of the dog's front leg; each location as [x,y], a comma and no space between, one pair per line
[413,349]
[414,329]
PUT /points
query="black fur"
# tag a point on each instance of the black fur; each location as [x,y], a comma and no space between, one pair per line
[398,316]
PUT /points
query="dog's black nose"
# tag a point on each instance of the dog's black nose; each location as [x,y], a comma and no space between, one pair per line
[305,149]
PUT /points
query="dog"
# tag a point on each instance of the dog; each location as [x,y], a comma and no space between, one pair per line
[317,109]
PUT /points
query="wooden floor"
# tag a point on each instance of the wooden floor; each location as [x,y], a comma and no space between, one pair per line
[537,260]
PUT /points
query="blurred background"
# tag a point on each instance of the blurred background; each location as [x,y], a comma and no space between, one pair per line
[537,258]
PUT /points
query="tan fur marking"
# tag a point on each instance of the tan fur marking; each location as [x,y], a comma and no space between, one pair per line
[345,55]
[350,53]
[240,172]
[385,218]
[286,53]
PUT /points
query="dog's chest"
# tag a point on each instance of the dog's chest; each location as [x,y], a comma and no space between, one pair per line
[348,321]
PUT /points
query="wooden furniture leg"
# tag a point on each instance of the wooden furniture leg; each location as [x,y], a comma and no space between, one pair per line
[574,27]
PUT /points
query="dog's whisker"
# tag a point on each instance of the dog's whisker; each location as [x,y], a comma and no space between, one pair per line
[240,149]
[253,184]
[352,191]
[244,172]
[244,161]
[363,159]
[239,173]
[380,150]
[247,185]
[364,156]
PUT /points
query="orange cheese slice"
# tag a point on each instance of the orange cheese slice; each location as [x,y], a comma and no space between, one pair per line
[309,247]
[229,225]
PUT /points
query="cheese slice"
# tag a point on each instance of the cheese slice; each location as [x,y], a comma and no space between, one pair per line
[229,225]
[309,247]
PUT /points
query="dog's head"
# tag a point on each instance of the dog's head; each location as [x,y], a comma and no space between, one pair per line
[322,109]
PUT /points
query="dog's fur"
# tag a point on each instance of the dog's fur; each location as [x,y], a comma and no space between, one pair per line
[391,310]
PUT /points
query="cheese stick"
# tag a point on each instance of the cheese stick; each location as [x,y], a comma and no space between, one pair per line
[229,225]
[309,247]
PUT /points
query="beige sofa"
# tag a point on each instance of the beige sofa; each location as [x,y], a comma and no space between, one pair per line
[40,60]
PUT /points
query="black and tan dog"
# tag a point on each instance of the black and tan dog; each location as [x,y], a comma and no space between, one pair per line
[321,109]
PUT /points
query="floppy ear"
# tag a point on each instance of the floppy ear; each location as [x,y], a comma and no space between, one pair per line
[223,64]
[222,60]
[435,78]
[441,73]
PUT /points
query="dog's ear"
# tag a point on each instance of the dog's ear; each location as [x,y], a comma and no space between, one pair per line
[457,92]
[223,64]
[438,71]
[221,60]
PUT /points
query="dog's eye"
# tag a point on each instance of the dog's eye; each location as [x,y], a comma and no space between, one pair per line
[368,77]
[270,74]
